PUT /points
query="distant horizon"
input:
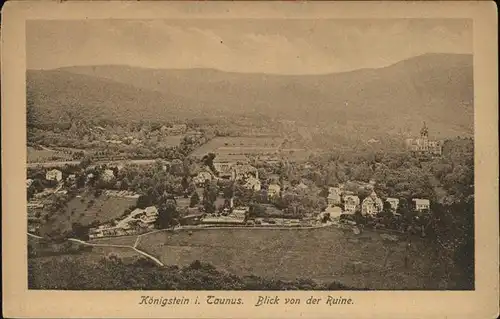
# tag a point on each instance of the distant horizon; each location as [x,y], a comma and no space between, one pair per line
[255,73]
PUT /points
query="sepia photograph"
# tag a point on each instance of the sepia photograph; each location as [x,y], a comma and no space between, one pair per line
[192,159]
[212,154]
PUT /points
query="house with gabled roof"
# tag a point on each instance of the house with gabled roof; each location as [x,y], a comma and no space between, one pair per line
[421,204]
[372,205]
[351,203]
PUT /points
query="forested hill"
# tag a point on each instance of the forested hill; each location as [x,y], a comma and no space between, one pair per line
[398,97]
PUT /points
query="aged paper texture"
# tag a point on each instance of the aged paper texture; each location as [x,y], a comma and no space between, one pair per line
[250,159]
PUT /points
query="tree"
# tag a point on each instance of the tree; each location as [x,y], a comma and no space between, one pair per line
[195,200]
[185,183]
[144,201]
[210,192]
[387,207]
[403,207]
[79,231]
[257,210]
[125,184]
[208,160]
[167,214]
[85,162]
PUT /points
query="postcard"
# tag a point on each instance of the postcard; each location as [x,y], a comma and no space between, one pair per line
[250,159]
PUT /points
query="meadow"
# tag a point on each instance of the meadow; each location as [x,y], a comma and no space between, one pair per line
[43,155]
[121,240]
[361,261]
[87,209]
[239,145]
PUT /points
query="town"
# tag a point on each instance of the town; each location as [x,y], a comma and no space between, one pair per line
[120,198]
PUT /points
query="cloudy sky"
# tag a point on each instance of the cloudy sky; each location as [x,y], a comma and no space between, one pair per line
[267,46]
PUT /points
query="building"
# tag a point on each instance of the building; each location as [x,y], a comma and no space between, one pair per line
[242,171]
[240,212]
[334,196]
[54,175]
[372,205]
[394,202]
[423,145]
[351,203]
[238,216]
[224,169]
[253,184]
[273,190]
[202,177]
[107,175]
[150,215]
[301,186]
[421,204]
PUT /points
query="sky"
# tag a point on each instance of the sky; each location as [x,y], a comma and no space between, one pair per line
[278,46]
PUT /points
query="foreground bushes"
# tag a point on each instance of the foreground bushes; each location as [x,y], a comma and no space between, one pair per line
[111,273]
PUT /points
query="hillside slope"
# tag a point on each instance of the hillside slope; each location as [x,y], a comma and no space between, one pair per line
[401,96]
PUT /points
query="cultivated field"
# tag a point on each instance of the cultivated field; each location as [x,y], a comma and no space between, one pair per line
[324,254]
[87,209]
[240,145]
[43,155]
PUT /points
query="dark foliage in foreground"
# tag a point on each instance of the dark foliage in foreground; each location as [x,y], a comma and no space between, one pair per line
[111,273]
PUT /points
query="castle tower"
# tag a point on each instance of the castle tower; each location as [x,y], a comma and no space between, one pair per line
[424,132]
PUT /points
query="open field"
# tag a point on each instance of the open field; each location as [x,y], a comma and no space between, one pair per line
[121,240]
[240,145]
[228,148]
[43,155]
[87,209]
[321,254]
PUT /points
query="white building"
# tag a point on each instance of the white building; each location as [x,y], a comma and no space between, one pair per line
[351,203]
[108,175]
[202,177]
[421,204]
[372,205]
[240,212]
[273,190]
[54,175]
[253,184]
[150,215]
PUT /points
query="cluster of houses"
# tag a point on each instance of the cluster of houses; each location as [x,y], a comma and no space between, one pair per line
[244,173]
[56,175]
[176,129]
[138,221]
[370,206]
[237,215]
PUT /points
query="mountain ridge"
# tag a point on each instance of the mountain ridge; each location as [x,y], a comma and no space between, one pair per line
[424,88]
